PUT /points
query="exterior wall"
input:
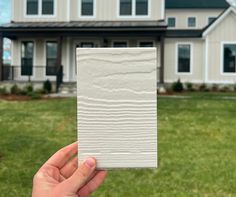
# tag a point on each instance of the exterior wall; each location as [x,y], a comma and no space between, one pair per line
[224,32]
[201,15]
[68,10]
[197,74]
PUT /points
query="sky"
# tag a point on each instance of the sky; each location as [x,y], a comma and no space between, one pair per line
[5,17]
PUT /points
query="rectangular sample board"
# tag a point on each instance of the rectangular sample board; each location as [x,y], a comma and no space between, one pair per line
[117,106]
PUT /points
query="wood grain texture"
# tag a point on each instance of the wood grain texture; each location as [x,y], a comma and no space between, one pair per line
[117,107]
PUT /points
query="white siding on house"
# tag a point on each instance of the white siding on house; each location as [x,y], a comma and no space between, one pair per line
[223,32]
[201,15]
[197,73]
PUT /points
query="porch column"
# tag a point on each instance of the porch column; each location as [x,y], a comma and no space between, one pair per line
[59,50]
[162,60]
[1,57]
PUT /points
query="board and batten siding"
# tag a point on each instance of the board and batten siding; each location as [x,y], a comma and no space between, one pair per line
[201,15]
[197,72]
[117,106]
[224,32]
[68,10]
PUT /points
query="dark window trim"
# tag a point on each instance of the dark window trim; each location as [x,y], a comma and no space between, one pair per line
[81,11]
[50,70]
[192,17]
[224,72]
[27,70]
[190,58]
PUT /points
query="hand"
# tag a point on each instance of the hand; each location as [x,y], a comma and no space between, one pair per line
[61,176]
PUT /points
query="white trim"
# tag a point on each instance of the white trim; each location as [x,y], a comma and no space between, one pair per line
[167,20]
[139,41]
[222,58]
[216,22]
[176,58]
[68,10]
[113,41]
[163,8]
[206,59]
[133,12]
[196,23]
[40,15]
[94,10]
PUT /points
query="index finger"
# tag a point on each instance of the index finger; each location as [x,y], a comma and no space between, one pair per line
[60,158]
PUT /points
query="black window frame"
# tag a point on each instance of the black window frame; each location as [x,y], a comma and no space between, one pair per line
[211,19]
[195,22]
[27,62]
[146,12]
[168,22]
[42,7]
[27,8]
[181,69]
[143,43]
[92,13]
[132,10]
[125,12]
[51,70]
[229,69]
[120,43]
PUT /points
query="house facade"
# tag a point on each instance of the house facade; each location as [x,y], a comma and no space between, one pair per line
[195,39]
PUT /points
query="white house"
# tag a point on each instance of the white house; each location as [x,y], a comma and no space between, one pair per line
[195,39]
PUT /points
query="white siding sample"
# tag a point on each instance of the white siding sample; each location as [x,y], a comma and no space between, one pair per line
[117,106]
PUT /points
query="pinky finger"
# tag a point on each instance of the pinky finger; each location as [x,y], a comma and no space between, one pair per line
[93,184]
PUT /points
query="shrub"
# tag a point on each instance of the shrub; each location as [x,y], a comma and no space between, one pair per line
[29,88]
[235,87]
[225,89]
[202,87]
[34,95]
[47,86]
[189,86]
[215,88]
[15,90]
[3,91]
[178,86]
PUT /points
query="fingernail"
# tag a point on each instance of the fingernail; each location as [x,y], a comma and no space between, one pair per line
[90,162]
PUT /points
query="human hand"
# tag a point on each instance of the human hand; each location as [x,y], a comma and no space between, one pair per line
[61,176]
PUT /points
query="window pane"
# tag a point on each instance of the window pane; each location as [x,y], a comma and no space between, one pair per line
[48,7]
[211,19]
[146,44]
[87,44]
[171,22]
[125,7]
[87,8]
[191,22]
[120,44]
[230,58]
[51,67]
[32,7]
[27,52]
[184,58]
[142,7]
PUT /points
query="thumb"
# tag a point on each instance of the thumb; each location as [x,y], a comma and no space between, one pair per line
[79,178]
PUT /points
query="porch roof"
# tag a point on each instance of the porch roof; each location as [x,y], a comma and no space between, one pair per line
[73,28]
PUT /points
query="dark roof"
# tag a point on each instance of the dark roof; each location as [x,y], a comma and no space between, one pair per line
[183,33]
[195,4]
[84,25]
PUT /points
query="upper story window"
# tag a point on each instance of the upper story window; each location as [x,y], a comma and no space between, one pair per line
[120,44]
[211,19]
[87,8]
[171,22]
[40,7]
[191,21]
[134,8]
[229,58]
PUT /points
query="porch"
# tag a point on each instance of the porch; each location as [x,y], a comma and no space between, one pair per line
[59,63]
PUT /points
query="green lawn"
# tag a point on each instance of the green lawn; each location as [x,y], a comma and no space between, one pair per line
[197,147]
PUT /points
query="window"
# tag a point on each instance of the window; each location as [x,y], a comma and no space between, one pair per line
[134,7]
[87,44]
[211,19]
[27,53]
[192,22]
[184,58]
[141,7]
[40,7]
[47,7]
[51,58]
[125,7]
[146,44]
[171,22]
[120,44]
[229,58]
[32,7]
[87,8]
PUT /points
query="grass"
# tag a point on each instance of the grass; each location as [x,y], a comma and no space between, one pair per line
[197,149]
